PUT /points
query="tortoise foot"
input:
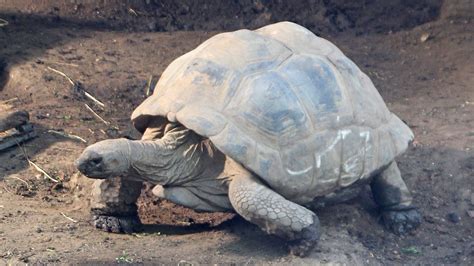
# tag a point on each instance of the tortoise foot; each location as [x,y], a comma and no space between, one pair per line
[307,239]
[302,248]
[117,224]
[401,222]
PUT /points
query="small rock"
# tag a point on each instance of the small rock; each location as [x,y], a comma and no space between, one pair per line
[429,219]
[43,116]
[441,229]
[39,230]
[425,36]
[470,213]
[453,217]
[152,26]
[48,78]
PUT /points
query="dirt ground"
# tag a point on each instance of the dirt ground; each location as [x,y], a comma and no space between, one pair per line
[424,71]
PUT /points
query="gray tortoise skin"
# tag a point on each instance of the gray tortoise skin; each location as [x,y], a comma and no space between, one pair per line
[288,124]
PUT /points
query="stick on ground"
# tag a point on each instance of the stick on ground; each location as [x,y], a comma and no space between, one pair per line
[42,171]
[21,180]
[3,22]
[96,115]
[69,218]
[66,135]
[88,95]
[148,86]
[62,74]
[9,100]
[75,85]
[39,169]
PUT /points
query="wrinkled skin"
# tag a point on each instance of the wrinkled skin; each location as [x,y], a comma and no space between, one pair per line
[189,171]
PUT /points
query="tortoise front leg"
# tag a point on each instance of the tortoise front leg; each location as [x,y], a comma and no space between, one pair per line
[392,195]
[113,205]
[274,214]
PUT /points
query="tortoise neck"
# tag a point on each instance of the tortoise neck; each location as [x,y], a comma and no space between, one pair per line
[181,156]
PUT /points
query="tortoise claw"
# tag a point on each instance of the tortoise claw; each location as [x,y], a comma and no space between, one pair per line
[307,239]
[402,221]
[117,224]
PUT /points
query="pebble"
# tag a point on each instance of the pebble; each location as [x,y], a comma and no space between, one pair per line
[152,26]
[429,219]
[470,213]
[453,217]
[441,229]
[39,230]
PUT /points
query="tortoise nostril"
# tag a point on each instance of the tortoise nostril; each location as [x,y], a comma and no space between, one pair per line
[95,161]
[91,164]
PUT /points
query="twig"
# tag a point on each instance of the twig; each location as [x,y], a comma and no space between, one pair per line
[69,218]
[10,100]
[97,115]
[62,74]
[248,262]
[131,11]
[148,86]
[3,22]
[35,165]
[88,95]
[7,190]
[22,151]
[19,179]
[42,171]
[70,136]
[94,99]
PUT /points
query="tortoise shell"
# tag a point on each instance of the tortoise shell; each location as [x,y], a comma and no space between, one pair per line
[286,104]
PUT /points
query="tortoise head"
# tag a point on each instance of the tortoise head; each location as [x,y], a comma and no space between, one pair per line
[105,159]
[115,157]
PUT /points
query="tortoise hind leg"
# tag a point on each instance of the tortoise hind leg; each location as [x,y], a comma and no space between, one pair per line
[395,201]
[274,214]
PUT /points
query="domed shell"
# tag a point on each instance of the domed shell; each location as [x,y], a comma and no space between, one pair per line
[286,104]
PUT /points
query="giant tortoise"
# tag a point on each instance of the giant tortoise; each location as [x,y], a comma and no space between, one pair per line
[268,123]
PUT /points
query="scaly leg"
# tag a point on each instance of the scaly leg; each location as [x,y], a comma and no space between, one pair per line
[274,214]
[392,195]
[113,205]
